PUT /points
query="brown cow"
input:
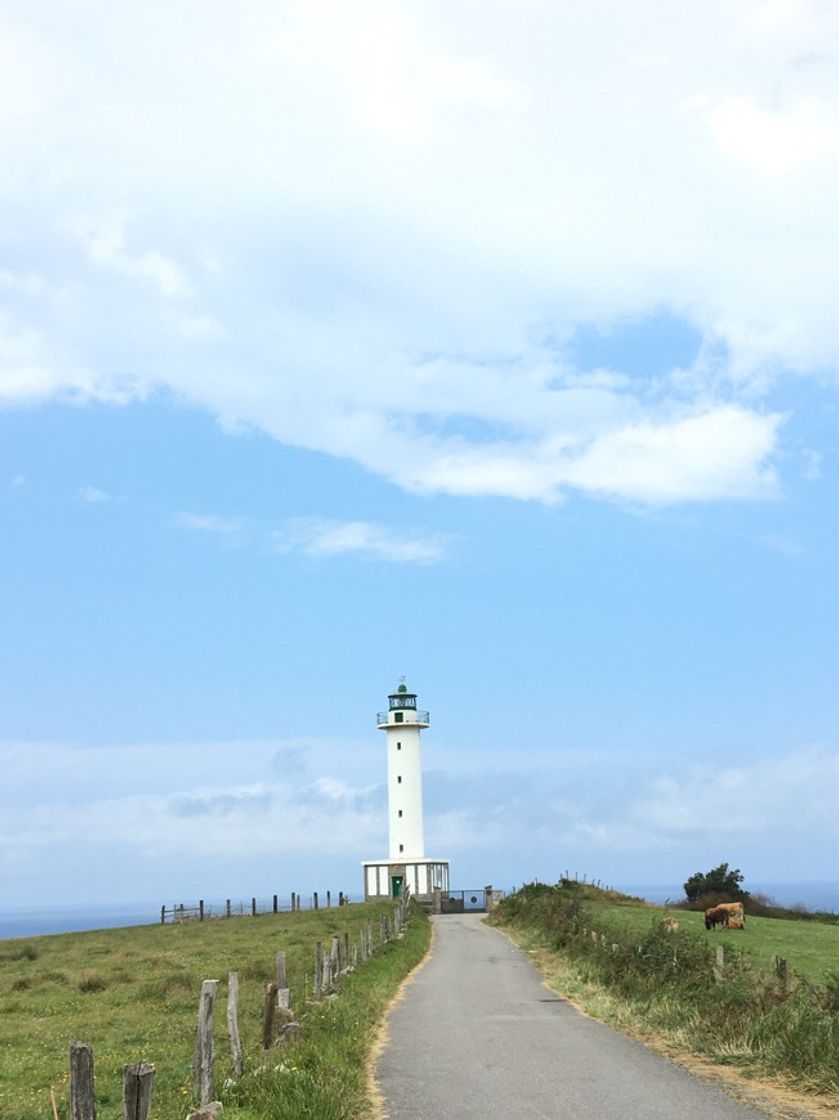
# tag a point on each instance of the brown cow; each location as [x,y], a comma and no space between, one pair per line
[725,914]
[715,916]
[734,910]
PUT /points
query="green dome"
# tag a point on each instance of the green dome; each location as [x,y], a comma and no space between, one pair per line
[402,688]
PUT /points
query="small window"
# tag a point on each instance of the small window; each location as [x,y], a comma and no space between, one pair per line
[399,746]
[400,812]
[399,780]
[397,717]
[401,847]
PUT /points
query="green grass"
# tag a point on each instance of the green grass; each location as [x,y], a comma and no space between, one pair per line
[661,985]
[810,948]
[133,994]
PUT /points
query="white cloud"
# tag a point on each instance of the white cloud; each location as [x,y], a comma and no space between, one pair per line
[107,247]
[812,469]
[725,808]
[93,495]
[772,143]
[319,537]
[209,523]
[375,232]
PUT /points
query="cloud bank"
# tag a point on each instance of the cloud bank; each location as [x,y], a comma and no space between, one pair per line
[225,817]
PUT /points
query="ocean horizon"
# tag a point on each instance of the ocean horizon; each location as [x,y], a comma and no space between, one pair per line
[822,896]
[40,921]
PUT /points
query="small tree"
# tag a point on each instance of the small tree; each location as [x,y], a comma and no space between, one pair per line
[718,881]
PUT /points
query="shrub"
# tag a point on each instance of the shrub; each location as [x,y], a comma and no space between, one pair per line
[19,953]
[92,983]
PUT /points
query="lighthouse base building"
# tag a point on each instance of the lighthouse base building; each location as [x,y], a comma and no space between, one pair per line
[383,879]
[406,865]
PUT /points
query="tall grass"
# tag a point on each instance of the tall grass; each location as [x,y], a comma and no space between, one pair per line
[665,981]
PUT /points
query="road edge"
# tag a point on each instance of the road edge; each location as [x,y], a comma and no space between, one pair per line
[378,1105]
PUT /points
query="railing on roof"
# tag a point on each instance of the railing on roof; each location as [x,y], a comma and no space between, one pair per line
[422,717]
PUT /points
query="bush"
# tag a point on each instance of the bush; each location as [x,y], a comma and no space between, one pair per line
[719,882]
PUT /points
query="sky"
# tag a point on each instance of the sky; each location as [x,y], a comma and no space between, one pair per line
[492,345]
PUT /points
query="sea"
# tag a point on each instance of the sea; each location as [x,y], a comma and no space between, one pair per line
[815,896]
[39,921]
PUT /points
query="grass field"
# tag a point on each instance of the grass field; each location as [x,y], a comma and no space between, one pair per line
[133,994]
[810,948]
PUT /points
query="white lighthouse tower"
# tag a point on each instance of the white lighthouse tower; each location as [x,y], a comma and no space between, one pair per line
[406,863]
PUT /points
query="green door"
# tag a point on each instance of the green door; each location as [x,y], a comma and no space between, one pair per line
[396,886]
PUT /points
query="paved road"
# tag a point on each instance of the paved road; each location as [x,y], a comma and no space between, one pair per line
[478,1035]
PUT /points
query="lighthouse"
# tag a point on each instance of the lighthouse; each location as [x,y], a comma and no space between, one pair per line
[406,864]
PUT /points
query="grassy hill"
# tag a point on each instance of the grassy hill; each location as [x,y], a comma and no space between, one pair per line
[810,948]
[133,994]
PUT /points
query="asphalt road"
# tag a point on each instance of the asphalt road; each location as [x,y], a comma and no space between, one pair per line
[479,1035]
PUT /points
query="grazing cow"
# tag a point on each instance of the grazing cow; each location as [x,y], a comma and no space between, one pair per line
[724,914]
[670,925]
[714,916]
[734,910]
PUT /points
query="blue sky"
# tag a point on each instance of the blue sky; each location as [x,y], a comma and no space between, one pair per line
[479,345]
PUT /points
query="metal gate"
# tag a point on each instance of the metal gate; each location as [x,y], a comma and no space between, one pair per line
[464,902]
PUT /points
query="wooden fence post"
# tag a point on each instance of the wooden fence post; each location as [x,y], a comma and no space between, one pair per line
[346,960]
[315,900]
[227,909]
[340,898]
[318,969]
[253,907]
[200,909]
[293,902]
[163,914]
[283,995]
[82,1103]
[233,1023]
[336,956]
[268,1015]
[327,972]
[782,973]
[205,1054]
[276,901]
[137,1086]
[329,900]
[355,957]
[719,964]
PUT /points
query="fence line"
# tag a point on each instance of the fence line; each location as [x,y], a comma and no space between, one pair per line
[278,1020]
[230,908]
[779,965]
